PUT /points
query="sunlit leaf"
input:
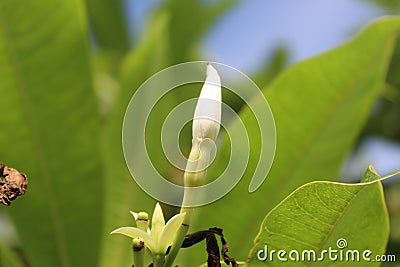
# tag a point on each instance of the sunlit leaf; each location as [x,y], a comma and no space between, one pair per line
[319,107]
[325,216]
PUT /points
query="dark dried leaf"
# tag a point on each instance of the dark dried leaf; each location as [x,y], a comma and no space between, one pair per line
[212,250]
[211,246]
[224,252]
[192,239]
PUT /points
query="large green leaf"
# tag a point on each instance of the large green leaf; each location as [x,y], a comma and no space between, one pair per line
[325,216]
[107,20]
[50,130]
[319,107]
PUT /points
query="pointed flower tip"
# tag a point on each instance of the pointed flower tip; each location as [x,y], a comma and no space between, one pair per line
[212,75]
[158,213]
[116,231]
[157,222]
[135,215]
[207,116]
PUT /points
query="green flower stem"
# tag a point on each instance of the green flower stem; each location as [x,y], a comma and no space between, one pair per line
[180,236]
[205,130]
[194,176]
[138,247]
[138,252]
[158,260]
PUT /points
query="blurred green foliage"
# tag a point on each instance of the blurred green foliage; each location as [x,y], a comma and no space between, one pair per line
[64,98]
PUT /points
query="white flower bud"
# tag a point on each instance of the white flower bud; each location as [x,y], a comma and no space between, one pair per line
[207,116]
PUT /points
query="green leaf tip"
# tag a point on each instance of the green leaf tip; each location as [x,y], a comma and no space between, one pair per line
[370,175]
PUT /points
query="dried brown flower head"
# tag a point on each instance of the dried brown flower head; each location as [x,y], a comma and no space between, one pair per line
[12,184]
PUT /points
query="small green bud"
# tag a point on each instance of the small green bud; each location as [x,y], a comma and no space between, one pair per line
[142,221]
[138,252]
[143,216]
[137,244]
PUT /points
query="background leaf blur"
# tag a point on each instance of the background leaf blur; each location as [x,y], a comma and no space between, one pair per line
[67,71]
[51,128]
